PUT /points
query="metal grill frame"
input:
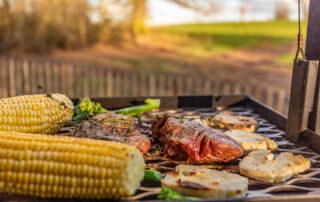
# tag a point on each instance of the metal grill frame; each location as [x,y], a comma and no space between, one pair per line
[201,102]
[221,102]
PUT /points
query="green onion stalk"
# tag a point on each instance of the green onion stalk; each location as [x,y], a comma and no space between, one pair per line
[135,110]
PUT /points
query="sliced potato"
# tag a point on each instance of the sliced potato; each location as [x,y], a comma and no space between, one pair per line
[261,165]
[252,141]
[297,163]
[229,120]
[199,181]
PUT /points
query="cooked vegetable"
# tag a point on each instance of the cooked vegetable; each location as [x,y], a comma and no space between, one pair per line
[198,181]
[35,113]
[152,175]
[150,104]
[230,120]
[252,141]
[67,167]
[261,165]
[87,109]
[169,194]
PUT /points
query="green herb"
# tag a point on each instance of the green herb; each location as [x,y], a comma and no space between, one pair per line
[87,109]
[169,194]
[152,175]
[133,111]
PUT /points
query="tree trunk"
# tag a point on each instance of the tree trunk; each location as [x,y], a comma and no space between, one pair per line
[139,16]
[83,32]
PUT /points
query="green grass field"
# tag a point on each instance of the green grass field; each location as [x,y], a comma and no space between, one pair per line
[220,37]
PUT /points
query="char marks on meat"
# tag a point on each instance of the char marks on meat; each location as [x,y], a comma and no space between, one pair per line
[118,128]
[193,142]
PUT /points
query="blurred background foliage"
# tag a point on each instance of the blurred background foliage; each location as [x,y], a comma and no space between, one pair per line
[40,25]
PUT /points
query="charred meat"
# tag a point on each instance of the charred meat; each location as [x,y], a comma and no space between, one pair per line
[193,142]
[118,128]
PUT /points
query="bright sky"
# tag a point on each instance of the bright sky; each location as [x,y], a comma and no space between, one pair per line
[163,12]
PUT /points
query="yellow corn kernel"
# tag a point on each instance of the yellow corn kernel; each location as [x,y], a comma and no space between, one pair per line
[59,166]
[35,113]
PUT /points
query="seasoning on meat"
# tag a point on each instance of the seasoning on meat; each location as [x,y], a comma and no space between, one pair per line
[117,128]
[193,142]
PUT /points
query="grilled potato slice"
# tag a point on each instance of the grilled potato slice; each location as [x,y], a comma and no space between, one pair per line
[252,141]
[261,165]
[199,181]
[229,120]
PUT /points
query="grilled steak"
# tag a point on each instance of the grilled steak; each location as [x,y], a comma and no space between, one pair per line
[118,128]
[189,140]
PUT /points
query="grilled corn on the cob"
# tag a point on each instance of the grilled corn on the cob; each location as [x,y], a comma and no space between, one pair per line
[35,113]
[59,166]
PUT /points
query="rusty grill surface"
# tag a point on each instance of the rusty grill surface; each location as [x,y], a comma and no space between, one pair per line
[307,183]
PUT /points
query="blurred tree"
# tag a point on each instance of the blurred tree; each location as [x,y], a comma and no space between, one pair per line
[140,9]
[40,25]
[282,11]
[114,21]
[204,6]
[244,8]
[6,22]
[139,16]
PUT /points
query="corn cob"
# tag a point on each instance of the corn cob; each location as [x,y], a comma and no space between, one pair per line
[35,113]
[67,167]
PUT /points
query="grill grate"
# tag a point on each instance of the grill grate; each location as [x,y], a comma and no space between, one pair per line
[302,184]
